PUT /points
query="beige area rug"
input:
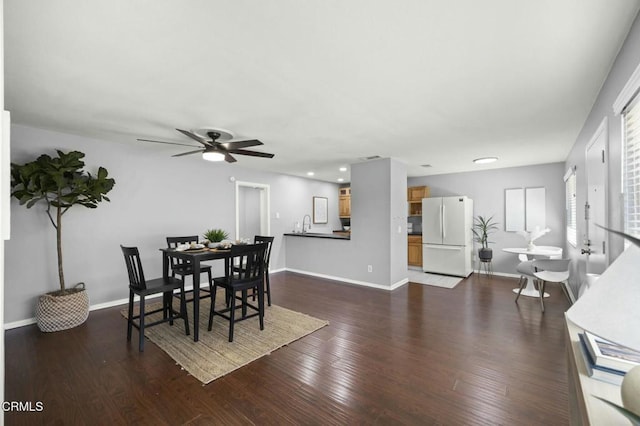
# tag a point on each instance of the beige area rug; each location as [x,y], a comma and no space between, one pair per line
[213,356]
[444,281]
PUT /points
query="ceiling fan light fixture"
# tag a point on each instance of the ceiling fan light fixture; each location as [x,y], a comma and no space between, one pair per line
[485,160]
[212,156]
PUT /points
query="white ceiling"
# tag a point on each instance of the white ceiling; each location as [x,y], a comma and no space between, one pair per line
[322,83]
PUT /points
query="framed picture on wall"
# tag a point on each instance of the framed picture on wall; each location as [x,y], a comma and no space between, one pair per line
[320,210]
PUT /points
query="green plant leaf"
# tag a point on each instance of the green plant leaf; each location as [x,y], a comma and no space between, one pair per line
[59,182]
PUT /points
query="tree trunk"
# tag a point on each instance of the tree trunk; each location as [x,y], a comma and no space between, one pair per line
[59,245]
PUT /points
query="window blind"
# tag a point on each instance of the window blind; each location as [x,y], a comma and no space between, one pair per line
[571,206]
[631,167]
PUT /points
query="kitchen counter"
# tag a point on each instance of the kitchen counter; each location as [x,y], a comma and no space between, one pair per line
[318,235]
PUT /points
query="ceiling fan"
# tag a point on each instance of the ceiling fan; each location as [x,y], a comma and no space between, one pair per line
[217,145]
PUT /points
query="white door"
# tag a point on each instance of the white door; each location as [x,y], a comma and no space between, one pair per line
[453,221]
[432,220]
[595,240]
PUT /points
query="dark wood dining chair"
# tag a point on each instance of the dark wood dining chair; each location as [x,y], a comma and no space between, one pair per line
[183,268]
[142,287]
[267,257]
[249,277]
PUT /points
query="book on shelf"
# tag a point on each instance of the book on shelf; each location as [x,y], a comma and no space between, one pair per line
[611,355]
[598,372]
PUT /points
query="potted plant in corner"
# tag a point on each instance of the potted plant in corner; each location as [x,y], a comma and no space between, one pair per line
[482,227]
[60,183]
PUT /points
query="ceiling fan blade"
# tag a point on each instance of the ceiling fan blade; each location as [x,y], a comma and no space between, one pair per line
[168,143]
[229,158]
[195,137]
[251,153]
[241,144]
[188,153]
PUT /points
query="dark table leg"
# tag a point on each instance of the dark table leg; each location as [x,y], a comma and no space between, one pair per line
[196,297]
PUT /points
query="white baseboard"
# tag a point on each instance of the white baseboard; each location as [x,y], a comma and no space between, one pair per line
[96,307]
[350,281]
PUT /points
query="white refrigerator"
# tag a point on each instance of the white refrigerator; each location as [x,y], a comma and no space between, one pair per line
[447,239]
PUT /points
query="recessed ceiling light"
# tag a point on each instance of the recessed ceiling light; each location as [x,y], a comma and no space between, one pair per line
[343,169]
[340,180]
[485,160]
[310,173]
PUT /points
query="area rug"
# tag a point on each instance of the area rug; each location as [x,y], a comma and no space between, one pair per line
[213,356]
[436,280]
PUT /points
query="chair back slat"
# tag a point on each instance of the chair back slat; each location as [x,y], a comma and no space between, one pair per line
[267,253]
[251,257]
[173,242]
[134,267]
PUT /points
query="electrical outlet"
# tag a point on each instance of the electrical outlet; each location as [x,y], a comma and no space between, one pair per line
[369,268]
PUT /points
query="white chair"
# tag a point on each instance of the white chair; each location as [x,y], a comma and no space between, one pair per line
[554,271]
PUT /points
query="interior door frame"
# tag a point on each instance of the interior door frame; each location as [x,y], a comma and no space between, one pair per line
[265,205]
[602,130]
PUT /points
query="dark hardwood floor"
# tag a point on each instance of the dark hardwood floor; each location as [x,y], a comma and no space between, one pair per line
[417,355]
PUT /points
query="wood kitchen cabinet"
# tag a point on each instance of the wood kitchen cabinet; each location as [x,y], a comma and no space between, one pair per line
[344,202]
[414,253]
[415,194]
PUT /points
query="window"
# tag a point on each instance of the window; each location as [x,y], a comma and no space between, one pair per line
[631,167]
[571,207]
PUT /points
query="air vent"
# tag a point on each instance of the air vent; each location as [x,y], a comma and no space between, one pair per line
[373,157]
[426,166]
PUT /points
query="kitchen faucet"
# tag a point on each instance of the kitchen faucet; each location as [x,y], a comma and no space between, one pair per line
[304,221]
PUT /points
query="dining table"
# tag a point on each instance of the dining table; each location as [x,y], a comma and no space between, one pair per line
[194,257]
[550,252]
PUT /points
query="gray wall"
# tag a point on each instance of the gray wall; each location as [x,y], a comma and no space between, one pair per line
[378,207]
[486,189]
[625,64]
[155,196]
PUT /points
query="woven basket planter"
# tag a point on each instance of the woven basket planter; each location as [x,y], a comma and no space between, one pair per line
[62,312]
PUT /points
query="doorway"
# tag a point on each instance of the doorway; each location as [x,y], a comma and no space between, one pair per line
[595,240]
[252,210]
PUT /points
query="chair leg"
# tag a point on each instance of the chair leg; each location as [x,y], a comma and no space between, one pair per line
[261,305]
[183,310]
[141,328]
[565,291]
[268,290]
[209,276]
[130,316]
[232,316]
[541,284]
[522,282]
[213,290]
[244,303]
[167,306]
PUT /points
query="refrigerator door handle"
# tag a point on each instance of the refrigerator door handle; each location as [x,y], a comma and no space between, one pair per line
[440,221]
[444,223]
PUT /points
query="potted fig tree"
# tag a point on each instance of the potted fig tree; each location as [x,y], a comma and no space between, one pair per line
[482,227]
[60,183]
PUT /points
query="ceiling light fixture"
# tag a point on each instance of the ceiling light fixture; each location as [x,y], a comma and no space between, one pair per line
[310,173]
[343,169]
[485,160]
[340,180]
[213,156]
